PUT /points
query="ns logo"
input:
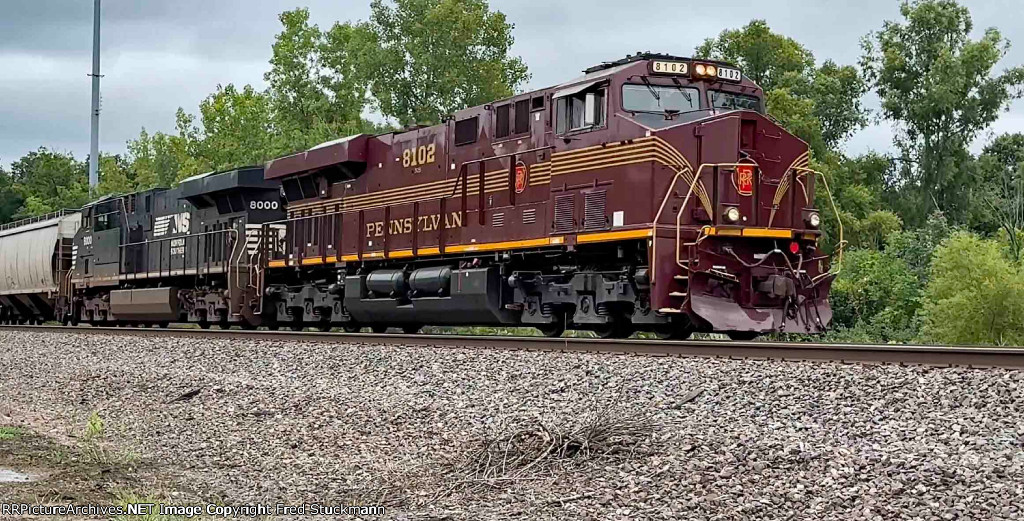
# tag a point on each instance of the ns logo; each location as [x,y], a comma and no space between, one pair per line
[178,223]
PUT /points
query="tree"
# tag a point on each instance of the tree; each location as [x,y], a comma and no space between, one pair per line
[820,105]
[235,128]
[837,92]
[316,88]
[156,158]
[1000,182]
[769,59]
[10,199]
[49,181]
[858,188]
[116,176]
[425,59]
[936,85]
[975,295]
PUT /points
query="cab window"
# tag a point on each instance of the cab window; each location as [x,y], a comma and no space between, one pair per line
[659,99]
[731,101]
[580,111]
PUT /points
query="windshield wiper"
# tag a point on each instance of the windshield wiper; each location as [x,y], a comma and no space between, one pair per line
[679,87]
[651,88]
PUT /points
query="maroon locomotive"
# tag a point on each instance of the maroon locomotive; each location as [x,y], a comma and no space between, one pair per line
[650,194]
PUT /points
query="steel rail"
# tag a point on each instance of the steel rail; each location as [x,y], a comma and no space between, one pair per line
[937,356]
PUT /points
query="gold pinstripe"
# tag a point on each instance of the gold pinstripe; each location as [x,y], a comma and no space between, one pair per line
[780,193]
[562,163]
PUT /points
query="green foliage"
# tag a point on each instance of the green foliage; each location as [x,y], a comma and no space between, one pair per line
[156,159]
[975,295]
[937,85]
[858,187]
[10,199]
[998,191]
[234,129]
[878,295]
[425,59]
[49,181]
[94,427]
[917,247]
[10,433]
[317,90]
[769,59]
[837,92]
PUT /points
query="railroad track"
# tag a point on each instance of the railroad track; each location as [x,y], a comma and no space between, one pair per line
[939,356]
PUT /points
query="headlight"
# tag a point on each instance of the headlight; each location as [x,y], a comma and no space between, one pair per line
[732,214]
[712,71]
[814,220]
[700,69]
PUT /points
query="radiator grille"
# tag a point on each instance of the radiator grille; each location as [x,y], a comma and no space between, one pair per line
[565,206]
[498,219]
[594,217]
[530,216]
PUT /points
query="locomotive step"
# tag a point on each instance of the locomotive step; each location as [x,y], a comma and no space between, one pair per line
[669,310]
[677,294]
[681,278]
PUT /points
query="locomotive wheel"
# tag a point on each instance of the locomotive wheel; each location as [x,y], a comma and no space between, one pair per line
[743,336]
[248,327]
[615,329]
[553,330]
[203,324]
[224,324]
[672,332]
[273,327]
[352,328]
[380,330]
[324,327]
[164,325]
[411,329]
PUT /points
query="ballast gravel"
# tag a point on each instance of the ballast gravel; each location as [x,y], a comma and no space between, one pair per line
[245,421]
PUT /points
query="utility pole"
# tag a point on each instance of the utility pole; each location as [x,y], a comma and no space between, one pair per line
[94,145]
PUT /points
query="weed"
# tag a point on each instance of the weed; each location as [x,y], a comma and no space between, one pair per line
[95,427]
[10,433]
[125,497]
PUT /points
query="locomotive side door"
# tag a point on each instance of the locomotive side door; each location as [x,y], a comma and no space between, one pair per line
[107,222]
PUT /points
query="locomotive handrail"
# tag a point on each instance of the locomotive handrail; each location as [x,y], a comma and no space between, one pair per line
[289,236]
[464,176]
[231,232]
[839,221]
[679,215]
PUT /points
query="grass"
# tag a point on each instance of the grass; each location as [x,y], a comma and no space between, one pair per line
[10,433]
[95,427]
[125,497]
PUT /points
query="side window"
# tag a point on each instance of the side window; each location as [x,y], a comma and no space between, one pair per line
[580,111]
[522,116]
[501,120]
[466,131]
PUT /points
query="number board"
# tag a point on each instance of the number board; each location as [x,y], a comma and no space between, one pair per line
[728,74]
[662,67]
[418,156]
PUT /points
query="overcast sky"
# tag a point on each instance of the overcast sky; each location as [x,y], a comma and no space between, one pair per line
[161,55]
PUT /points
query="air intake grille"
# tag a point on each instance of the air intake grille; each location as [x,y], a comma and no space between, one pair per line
[498,219]
[530,216]
[594,217]
[565,206]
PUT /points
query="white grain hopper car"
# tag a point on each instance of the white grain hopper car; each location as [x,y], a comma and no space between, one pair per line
[35,257]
